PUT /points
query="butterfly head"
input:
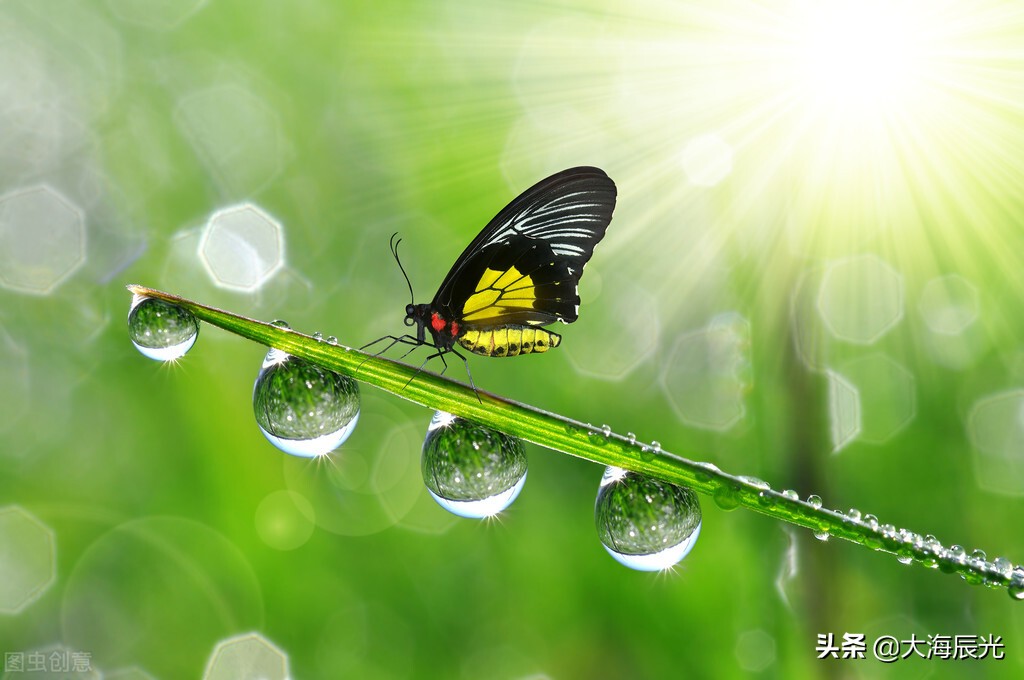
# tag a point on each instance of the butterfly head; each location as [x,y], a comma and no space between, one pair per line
[419,316]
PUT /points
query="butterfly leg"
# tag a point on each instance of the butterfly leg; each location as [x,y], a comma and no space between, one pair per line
[436,355]
[469,374]
[395,339]
[439,354]
[404,339]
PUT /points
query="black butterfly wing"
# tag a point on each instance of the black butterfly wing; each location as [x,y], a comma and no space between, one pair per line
[524,267]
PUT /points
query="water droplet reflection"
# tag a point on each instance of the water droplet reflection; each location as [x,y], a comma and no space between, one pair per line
[471,470]
[301,408]
[644,523]
[160,330]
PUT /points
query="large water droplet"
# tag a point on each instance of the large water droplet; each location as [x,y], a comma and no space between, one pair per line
[303,409]
[160,330]
[644,523]
[471,470]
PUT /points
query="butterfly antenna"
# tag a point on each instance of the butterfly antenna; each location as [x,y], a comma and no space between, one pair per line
[394,252]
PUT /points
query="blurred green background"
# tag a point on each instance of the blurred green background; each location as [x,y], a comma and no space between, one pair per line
[813,276]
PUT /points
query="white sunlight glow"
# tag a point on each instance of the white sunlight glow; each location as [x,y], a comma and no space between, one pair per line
[861,53]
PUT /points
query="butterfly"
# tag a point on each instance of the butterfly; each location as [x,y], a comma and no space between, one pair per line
[519,274]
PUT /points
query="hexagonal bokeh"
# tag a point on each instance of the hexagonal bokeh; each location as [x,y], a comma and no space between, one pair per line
[161,15]
[236,135]
[888,395]
[707,374]
[995,426]
[242,247]
[42,240]
[844,411]
[627,316]
[707,160]
[861,298]
[28,563]
[949,304]
[247,657]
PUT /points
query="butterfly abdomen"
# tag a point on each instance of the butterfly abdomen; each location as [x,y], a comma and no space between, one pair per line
[509,341]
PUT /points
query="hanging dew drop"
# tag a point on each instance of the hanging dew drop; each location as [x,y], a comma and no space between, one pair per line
[905,559]
[706,471]
[471,470]
[1016,587]
[646,453]
[645,523]
[755,482]
[726,497]
[821,535]
[159,330]
[301,408]
[1002,566]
